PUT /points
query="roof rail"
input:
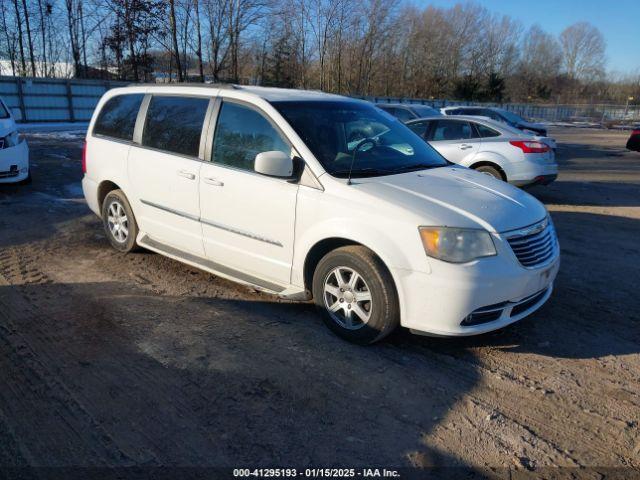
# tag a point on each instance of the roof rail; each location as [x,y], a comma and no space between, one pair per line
[226,86]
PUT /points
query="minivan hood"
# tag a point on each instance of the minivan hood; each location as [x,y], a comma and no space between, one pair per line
[458,197]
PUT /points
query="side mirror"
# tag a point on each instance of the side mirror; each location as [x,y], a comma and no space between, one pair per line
[274,164]
[16,113]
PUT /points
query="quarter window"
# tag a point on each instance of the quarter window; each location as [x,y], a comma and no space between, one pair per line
[175,124]
[486,132]
[117,119]
[451,130]
[241,134]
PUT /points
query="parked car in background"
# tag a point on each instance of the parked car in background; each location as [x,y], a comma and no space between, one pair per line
[490,147]
[14,152]
[503,116]
[408,111]
[634,140]
[266,187]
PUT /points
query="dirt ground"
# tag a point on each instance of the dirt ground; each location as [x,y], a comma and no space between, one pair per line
[138,360]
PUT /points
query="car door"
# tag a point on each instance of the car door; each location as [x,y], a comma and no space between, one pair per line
[247,219]
[456,140]
[164,170]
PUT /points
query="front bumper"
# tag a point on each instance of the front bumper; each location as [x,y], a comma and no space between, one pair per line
[440,303]
[14,163]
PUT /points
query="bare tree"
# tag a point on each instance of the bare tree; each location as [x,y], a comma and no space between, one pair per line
[583,49]
[29,40]
[174,36]
[196,5]
[72,24]
[20,44]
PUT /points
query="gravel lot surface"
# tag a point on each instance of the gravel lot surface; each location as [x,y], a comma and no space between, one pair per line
[123,360]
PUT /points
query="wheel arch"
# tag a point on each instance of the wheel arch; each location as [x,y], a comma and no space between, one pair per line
[104,188]
[326,245]
[489,163]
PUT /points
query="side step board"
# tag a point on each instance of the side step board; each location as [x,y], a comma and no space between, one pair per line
[291,292]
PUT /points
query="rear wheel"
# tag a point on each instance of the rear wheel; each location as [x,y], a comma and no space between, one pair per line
[119,223]
[356,295]
[491,171]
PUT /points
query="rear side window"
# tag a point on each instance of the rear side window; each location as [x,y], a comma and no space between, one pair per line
[117,119]
[242,133]
[486,132]
[451,130]
[174,124]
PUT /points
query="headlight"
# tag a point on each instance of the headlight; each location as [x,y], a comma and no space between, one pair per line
[456,245]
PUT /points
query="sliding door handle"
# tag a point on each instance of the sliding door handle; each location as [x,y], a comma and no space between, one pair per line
[213,181]
[185,174]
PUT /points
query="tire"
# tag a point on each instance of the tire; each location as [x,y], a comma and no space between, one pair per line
[381,312]
[119,222]
[489,170]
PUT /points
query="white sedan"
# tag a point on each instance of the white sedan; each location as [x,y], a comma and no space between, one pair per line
[14,152]
[490,147]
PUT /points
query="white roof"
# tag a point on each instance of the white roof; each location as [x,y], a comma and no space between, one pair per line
[270,94]
[284,94]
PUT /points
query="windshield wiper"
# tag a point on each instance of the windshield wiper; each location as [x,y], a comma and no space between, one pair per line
[415,168]
[368,170]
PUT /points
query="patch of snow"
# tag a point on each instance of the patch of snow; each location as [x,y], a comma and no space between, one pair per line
[53,127]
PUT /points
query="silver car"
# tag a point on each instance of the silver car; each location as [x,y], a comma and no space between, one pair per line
[490,147]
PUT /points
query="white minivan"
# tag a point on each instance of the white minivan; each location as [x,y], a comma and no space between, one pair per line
[14,152]
[308,195]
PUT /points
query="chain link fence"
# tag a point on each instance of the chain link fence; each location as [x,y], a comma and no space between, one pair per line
[600,114]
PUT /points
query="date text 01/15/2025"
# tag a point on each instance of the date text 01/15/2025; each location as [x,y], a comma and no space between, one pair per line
[315,473]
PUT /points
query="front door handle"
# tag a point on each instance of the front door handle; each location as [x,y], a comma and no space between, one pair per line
[465,146]
[213,181]
[185,174]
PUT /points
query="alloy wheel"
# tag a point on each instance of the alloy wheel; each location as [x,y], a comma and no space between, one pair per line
[347,298]
[118,222]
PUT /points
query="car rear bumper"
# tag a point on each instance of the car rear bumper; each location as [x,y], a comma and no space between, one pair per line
[14,163]
[90,190]
[634,143]
[531,173]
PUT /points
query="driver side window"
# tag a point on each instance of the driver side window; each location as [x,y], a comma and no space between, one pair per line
[242,133]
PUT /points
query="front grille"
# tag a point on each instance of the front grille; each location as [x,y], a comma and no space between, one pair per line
[491,313]
[535,245]
[527,303]
[482,315]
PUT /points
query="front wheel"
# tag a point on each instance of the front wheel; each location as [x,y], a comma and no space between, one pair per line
[356,295]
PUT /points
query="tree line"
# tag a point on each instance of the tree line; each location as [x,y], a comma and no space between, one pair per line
[357,47]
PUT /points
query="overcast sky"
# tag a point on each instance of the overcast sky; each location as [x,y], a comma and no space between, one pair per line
[618,20]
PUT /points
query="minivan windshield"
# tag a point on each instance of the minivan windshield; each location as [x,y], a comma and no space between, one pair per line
[335,131]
